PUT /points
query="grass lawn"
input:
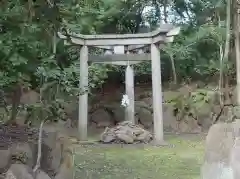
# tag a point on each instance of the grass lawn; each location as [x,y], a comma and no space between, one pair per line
[183,161]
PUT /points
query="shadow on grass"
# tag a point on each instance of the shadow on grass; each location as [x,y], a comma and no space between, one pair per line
[103,162]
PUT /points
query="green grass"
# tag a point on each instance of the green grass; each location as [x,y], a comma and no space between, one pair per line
[183,161]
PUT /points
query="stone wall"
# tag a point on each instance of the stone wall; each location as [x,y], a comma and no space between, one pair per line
[105,109]
[106,115]
[19,152]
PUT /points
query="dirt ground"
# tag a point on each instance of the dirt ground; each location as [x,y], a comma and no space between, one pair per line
[180,161]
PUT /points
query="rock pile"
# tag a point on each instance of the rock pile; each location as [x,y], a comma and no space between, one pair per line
[126,132]
[19,152]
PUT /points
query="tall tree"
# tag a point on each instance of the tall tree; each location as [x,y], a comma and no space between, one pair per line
[237,45]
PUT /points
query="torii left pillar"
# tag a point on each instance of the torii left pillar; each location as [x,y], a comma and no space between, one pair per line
[83,96]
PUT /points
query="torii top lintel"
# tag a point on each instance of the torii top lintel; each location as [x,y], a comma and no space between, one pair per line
[163,34]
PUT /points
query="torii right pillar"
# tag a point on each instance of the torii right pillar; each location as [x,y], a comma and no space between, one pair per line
[157,94]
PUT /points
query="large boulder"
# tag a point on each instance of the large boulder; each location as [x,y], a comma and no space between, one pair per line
[66,169]
[5,161]
[235,158]
[145,117]
[102,118]
[219,142]
[51,151]
[20,153]
[126,132]
[41,175]
[119,114]
[170,123]
[216,171]
[221,159]
[185,125]
[21,171]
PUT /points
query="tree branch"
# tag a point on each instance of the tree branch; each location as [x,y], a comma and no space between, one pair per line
[38,163]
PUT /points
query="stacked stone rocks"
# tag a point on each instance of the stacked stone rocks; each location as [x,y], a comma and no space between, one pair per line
[126,132]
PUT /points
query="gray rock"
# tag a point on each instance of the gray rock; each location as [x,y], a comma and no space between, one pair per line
[145,137]
[102,118]
[126,132]
[125,138]
[219,142]
[108,136]
[19,171]
[119,114]
[216,171]
[145,116]
[51,152]
[235,158]
[42,175]
[5,160]
[66,170]
[23,153]
[56,155]
[222,158]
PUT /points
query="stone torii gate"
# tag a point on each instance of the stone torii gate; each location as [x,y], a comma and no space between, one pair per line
[124,49]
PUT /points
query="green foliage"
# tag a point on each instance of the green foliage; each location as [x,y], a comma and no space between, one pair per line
[27,42]
[189,104]
[47,110]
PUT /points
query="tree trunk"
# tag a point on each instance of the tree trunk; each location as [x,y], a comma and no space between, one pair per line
[237,51]
[221,69]
[227,45]
[228,33]
[173,69]
[165,11]
[16,99]
[30,10]
[54,42]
